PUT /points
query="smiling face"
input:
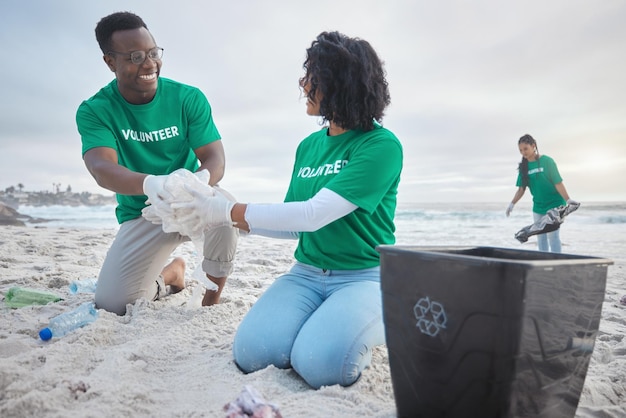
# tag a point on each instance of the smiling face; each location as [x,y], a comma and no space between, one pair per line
[137,82]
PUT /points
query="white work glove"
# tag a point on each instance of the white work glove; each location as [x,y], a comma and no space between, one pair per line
[572,202]
[203,175]
[509,209]
[206,210]
[154,188]
[154,212]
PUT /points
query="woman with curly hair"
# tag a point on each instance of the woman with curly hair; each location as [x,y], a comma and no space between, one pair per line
[324,315]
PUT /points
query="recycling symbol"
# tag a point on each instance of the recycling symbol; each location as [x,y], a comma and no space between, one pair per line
[430,315]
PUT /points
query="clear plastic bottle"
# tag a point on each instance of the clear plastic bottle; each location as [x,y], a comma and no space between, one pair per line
[18,297]
[60,325]
[83,286]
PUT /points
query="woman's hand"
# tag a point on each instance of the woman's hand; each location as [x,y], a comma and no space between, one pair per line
[207,210]
[509,209]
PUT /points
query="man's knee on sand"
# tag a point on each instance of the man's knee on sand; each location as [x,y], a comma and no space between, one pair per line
[109,296]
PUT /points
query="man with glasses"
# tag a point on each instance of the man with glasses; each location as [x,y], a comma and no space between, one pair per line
[135,131]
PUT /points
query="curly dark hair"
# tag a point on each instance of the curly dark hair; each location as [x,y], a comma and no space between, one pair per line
[114,22]
[351,79]
[523,165]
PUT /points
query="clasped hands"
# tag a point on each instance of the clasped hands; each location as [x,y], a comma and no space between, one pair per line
[184,202]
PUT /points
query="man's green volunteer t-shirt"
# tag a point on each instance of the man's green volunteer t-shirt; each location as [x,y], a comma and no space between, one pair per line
[154,138]
[543,174]
[362,167]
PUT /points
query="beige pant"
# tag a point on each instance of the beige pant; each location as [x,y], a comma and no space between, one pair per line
[140,250]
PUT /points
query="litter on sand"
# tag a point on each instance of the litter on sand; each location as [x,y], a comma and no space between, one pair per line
[250,403]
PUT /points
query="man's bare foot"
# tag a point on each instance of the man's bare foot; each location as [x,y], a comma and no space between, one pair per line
[174,275]
[211,297]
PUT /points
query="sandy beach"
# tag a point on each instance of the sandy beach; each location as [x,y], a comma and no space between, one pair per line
[172,357]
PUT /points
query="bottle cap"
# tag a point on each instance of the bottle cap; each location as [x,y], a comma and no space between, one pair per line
[45,334]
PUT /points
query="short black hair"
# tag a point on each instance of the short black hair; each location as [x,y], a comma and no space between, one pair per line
[114,22]
[351,79]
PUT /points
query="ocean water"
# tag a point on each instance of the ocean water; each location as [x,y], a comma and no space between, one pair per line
[595,229]
[79,217]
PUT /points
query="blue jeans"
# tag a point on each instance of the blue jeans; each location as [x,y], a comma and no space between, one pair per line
[323,323]
[550,242]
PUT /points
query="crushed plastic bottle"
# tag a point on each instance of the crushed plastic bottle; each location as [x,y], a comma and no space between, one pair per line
[18,297]
[60,325]
[83,286]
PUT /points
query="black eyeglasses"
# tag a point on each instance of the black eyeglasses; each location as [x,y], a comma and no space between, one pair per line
[138,57]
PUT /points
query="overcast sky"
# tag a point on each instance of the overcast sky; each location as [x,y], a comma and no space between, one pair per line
[467,79]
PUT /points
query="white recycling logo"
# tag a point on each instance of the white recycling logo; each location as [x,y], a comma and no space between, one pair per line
[430,315]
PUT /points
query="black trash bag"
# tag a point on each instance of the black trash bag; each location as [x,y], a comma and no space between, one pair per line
[549,222]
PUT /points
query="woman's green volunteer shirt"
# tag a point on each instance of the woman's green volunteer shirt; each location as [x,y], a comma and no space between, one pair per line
[362,167]
[154,138]
[543,174]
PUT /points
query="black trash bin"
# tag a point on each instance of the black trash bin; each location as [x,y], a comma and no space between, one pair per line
[489,332]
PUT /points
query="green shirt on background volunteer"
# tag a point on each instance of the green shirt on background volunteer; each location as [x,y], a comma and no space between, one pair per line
[543,174]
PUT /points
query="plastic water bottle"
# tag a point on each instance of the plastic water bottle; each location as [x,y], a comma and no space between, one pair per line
[60,325]
[18,297]
[83,286]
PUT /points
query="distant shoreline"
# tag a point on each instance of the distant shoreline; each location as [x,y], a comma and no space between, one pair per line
[11,202]
[17,199]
